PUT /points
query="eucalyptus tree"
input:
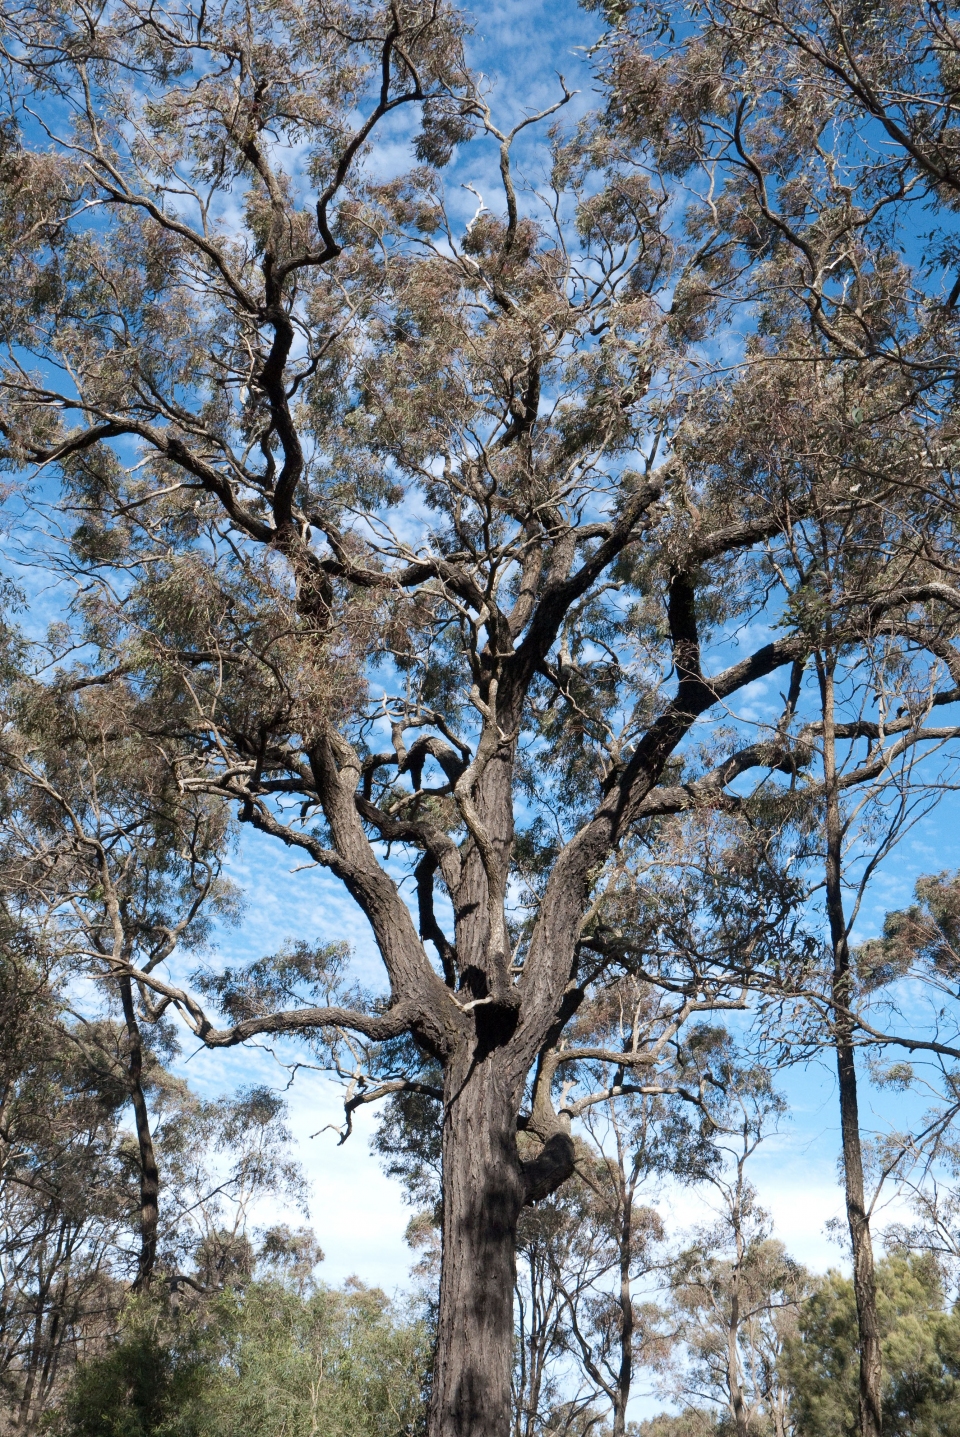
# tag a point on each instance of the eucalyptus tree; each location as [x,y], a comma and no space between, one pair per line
[65,1189]
[914,960]
[736,1291]
[72,1232]
[69,1190]
[918,1330]
[617,1250]
[105,865]
[440,548]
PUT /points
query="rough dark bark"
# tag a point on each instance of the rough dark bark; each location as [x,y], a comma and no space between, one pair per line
[149,1173]
[858,1220]
[483,1193]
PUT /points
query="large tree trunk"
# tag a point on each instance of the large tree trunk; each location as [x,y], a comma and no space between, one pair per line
[864,1281]
[483,1193]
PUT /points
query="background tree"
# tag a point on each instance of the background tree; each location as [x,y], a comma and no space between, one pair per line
[615,1325]
[550,1393]
[107,865]
[916,954]
[65,1199]
[919,1339]
[264,1355]
[737,1293]
[71,1180]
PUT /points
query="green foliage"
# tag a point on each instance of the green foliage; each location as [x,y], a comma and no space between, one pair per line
[925,936]
[152,1383]
[344,1363]
[694,1422]
[70,1209]
[921,1355]
[256,1362]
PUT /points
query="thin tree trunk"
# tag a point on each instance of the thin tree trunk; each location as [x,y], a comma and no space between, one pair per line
[26,1414]
[625,1374]
[23,1423]
[482,1198]
[149,1174]
[521,1405]
[737,1407]
[864,1281]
